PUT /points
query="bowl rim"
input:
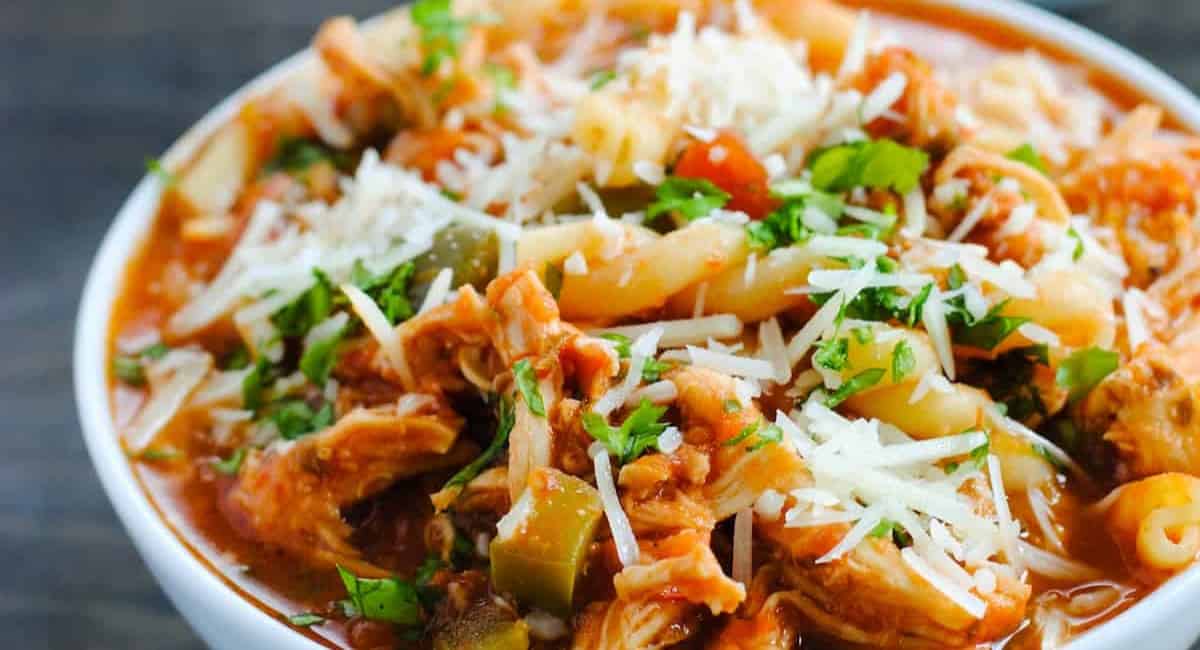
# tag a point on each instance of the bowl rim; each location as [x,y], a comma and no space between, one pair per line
[186,580]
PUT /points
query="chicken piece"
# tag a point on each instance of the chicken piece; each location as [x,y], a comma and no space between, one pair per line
[1150,410]
[871,596]
[487,492]
[660,493]
[529,320]
[928,106]
[773,626]
[1141,185]
[682,559]
[740,471]
[346,52]
[1156,524]
[440,342]
[647,623]
[660,603]
[290,495]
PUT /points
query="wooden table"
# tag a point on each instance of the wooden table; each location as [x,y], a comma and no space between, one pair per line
[87,90]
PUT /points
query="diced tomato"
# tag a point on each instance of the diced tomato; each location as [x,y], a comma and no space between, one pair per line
[729,165]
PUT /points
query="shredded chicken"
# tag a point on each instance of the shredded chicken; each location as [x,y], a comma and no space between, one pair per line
[290,495]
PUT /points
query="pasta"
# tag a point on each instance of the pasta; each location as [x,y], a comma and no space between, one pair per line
[621,133]
[678,324]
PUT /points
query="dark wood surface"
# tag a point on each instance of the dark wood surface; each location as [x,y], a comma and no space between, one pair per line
[87,90]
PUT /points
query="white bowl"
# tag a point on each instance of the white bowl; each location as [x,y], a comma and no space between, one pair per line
[1163,620]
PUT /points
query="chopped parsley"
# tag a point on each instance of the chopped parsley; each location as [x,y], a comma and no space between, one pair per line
[855,384]
[1078,251]
[989,331]
[761,436]
[742,435]
[653,368]
[833,353]
[784,226]
[254,385]
[892,530]
[883,303]
[319,357]
[903,361]
[388,290]
[306,619]
[298,154]
[877,164]
[308,309]
[986,332]
[979,455]
[600,78]
[1084,369]
[295,418]
[441,32]
[1028,155]
[731,406]
[620,342]
[527,383]
[129,367]
[689,198]
[236,359]
[768,435]
[156,454]
[503,79]
[506,417]
[864,335]
[637,433]
[383,599]
[230,466]
[155,168]
[129,370]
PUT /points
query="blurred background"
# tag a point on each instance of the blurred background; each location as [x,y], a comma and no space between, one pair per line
[88,89]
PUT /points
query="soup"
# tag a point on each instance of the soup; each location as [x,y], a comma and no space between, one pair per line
[697,325]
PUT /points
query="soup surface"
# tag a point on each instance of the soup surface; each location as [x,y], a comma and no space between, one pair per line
[675,324]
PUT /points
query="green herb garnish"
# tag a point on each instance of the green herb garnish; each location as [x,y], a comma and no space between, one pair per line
[903,361]
[601,78]
[505,419]
[306,619]
[295,155]
[230,466]
[383,599]
[441,32]
[307,310]
[689,198]
[637,433]
[855,384]
[878,164]
[1084,369]
[1028,155]
[155,168]
[295,418]
[319,357]
[527,383]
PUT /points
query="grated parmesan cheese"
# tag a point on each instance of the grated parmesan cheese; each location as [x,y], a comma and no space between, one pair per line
[439,289]
[731,364]
[575,264]
[676,333]
[623,538]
